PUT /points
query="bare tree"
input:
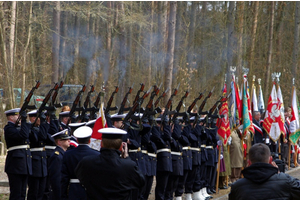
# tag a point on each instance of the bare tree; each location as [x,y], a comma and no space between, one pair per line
[253,35]
[230,28]
[270,50]
[170,51]
[296,40]
[56,42]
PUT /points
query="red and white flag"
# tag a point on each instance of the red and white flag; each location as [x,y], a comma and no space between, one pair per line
[273,123]
[96,136]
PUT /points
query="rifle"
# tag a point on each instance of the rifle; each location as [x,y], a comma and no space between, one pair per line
[57,105]
[122,108]
[138,93]
[168,105]
[86,103]
[43,105]
[96,103]
[27,100]
[108,107]
[75,103]
[149,107]
[179,105]
[161,96]
[201,107]
[132,110]
[190,108]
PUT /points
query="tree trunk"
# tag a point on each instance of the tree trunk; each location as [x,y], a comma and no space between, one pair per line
[230,27]
[240,5]
[55,44]
[170,50]
[296,40]
[270,50]
[190,55]
[64,33]
[279,31]
[25,52]
[161,43]
[253,36]
[76,53]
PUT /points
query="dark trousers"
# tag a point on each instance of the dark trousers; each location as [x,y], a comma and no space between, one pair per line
[191,179]
[181,183]
[208,175]
[171,186]
[17,186]
[147,188]
[203,170]
[213,177]
[161,184]
[197,183]
[36,188]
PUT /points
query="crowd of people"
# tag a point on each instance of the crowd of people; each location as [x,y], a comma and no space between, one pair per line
[52,157]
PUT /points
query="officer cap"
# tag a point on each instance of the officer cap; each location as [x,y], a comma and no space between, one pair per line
[112,133]
[158,120]
[64,135]
[75,126]
[83,132]
[64,114]
[91,123]
[32,113]
[117,117]
[14,111]
[140,115]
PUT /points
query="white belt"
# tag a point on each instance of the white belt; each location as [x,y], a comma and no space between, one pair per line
[38,149]
[74,181]
[209,147]
[163,150]
[134,150]
[195,149]
[25,146]
[203,145]
[186,148]
[152,155]
[176,153]
[144,151]
[50,147]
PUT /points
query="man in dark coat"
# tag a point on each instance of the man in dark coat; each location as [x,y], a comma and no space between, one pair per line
[70,185]
[259,136]
[18,160]
[109,176]
[62,140]
[262,180]
[38,134]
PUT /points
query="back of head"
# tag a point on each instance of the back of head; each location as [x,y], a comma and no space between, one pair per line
[259,153]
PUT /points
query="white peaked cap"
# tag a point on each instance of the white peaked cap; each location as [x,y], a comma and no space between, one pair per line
[83,132]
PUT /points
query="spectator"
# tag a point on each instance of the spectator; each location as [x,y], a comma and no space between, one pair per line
[262,179]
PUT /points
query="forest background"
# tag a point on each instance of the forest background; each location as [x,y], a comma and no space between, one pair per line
[153,42]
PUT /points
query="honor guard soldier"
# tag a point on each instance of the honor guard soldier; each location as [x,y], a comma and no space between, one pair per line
[187,160]
[50,146]
[117,120]
[73,139]
[71,187]
[18,160]
[162,141]
[63,119]
[177,161]
[112,175]
[37,181]
[62,140]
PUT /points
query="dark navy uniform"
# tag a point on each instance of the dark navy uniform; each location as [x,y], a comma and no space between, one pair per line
[259,136]
[18,160]
[187,159]
[37,181]
[55,165]
[49,147]
[177,162]
[164,159]
[71,188]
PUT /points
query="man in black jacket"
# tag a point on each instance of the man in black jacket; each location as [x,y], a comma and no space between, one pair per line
[262,180]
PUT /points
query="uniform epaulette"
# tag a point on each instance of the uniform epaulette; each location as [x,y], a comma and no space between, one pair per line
[56,152]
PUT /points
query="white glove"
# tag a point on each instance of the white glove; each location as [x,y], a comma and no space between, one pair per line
[240,127]
[220,142]
[229,140]
[221,156]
